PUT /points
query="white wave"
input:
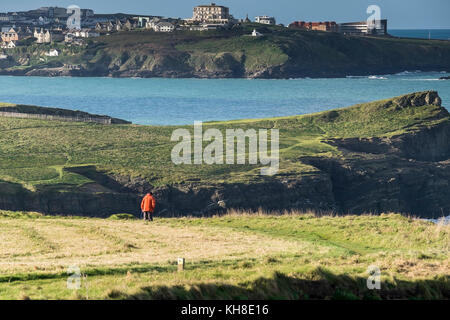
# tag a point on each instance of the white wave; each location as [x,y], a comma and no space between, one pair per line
[406,72]
[443,220]
[420,79]
[377,77]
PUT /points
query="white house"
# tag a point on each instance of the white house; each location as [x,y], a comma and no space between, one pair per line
[8,45]
[256,33]
[142,21]
[152,23]
[52,53]
[164,27]
[42,36]
[44,20]
[69,37]
[86,33]
[265,20]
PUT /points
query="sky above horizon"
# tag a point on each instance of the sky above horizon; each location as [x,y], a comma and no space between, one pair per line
[402,14]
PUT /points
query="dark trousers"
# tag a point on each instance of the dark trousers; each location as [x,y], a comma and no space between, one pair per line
[148,215]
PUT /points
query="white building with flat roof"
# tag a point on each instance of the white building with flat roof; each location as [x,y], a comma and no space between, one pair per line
[265,20]
[164,27]
[378,27]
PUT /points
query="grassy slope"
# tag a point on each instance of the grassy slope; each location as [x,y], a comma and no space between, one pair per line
[321,51]
[305,51]
[145,150]
[234,256]
[34,55]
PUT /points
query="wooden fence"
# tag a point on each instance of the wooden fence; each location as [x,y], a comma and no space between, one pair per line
[99,119]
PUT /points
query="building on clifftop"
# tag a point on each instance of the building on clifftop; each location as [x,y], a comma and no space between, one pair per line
[329,26]
[265,20]
[211,15]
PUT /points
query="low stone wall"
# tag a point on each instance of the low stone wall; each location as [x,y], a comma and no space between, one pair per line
[101,120]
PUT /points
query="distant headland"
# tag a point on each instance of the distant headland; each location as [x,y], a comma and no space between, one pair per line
[53,41]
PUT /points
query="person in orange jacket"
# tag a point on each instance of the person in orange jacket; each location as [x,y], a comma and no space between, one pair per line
[148,206]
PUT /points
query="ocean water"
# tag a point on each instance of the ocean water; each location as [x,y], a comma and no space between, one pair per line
[183,101]
[441,34]
[442,220]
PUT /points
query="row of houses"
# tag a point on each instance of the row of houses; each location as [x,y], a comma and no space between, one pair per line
[50,16]
[44,17]
[41,35]
[156,24]
[117,25]
[378,27]
[204,17]
[10,37]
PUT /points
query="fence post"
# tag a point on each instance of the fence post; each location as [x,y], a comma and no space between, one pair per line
[181,263]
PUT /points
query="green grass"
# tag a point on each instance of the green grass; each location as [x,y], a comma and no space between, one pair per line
[144,151]
[240,255]
[259,53]
[374,233]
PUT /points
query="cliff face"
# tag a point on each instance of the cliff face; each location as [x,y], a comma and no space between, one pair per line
[407,173]
[280,53]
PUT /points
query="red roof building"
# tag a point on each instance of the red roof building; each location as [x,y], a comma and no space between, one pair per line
[329,26]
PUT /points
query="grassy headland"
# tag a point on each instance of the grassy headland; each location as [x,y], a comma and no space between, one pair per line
[43,149]
[367,143]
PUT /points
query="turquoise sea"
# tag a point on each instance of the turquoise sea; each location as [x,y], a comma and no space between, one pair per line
[440,34]
[182,101]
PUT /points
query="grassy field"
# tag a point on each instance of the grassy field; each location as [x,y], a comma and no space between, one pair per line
[144,151]
[237,256]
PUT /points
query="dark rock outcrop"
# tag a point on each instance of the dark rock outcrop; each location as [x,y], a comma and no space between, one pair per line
[392,184]
[417,100]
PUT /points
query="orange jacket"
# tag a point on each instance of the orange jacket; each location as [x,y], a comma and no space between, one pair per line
[148,203]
